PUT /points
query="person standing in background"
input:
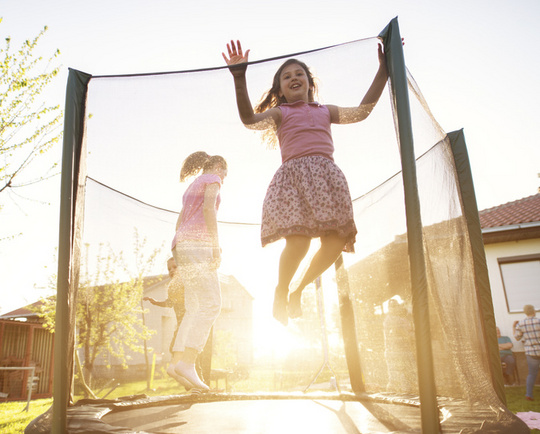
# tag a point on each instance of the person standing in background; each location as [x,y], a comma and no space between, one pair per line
[528,329]
[507,356]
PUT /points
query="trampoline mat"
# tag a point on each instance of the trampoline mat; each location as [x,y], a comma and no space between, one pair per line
[263,414]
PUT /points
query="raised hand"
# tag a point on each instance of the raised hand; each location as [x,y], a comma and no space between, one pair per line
[382,56]
[236,58]
[382,60]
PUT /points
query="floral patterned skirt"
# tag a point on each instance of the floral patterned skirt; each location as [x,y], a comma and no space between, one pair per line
[308,196]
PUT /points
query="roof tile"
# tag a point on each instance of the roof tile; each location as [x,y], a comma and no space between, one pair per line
[524,210]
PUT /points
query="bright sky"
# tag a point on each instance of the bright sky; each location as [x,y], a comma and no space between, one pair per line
[475,63]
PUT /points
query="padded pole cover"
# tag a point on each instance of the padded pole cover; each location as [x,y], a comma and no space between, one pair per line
[64,338]
[483,290]
[393,48]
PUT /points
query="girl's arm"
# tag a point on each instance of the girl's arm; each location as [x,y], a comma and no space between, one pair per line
[179,219]
[164,303]
[237,61]
[347,115]
[210,217]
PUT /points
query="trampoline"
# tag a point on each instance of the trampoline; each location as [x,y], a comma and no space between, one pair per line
[397,337]
[279,413]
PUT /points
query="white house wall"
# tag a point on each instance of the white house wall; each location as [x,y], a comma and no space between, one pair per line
[503,318]
[160,319]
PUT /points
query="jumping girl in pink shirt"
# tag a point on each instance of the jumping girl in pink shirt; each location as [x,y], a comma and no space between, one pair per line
[196,251]
[308,196]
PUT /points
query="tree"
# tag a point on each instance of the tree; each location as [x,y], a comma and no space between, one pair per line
[143,264]
[110,318]
[108,315]
[29,127]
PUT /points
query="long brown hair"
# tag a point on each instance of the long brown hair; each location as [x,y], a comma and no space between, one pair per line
[198,161]
[272,99]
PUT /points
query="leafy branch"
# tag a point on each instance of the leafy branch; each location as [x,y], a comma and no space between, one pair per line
[29,127]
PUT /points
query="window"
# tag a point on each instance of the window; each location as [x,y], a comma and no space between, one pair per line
[521,281]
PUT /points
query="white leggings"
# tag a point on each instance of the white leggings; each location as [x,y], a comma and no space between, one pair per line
[202,294]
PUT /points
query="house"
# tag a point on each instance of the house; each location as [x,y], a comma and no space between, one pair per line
[25,342]
[232,332]
[234,322]
[511,234]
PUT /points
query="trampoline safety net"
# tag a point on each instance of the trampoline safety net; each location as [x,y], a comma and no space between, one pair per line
[138,129]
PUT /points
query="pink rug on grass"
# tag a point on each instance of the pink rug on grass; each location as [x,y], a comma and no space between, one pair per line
[531,418]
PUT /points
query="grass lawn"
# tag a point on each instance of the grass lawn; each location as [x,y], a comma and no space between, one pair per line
[13,418]
[515,400]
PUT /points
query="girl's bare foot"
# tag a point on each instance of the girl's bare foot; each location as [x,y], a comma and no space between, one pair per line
[280,306]
[295,304]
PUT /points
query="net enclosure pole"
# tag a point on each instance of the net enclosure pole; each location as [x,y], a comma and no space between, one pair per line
[483,289]
[76,91]
[393,48]
[348,327]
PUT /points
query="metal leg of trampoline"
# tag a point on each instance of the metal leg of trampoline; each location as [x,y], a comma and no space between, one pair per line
[324,339]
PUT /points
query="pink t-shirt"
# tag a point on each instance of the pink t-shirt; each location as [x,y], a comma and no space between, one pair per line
[305,130]
[193,226]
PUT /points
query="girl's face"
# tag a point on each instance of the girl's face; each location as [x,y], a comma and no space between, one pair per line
[294,83]
[220,171]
